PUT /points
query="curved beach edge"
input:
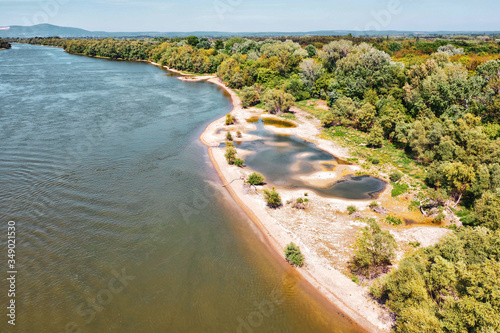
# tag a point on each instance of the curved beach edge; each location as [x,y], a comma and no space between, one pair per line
[330,288]
[337,289]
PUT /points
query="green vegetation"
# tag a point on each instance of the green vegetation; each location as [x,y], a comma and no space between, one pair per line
[229,136]
[351,209]
[293,255]
[4,44]
[230,154]
[395,176]
[449,287]
[393,220]
[238,134]
[229,119]
[375,249]
[398,189]
[273,198]
[239,162]
[255,179]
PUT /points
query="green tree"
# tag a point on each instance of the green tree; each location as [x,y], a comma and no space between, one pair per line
[230,154]
[277,101]
[249,96]
[192,40]
[375,248]
[255,179]
[375,136]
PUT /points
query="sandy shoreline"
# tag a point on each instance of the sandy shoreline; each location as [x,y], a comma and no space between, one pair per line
[347,296]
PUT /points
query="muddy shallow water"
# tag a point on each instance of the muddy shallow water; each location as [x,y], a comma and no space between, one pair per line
[284,159]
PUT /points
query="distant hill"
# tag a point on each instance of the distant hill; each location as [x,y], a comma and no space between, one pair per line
[49,30]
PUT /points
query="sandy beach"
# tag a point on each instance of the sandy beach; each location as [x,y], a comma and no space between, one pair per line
[324,232]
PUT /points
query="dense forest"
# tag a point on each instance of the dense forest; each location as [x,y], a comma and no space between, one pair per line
[4,44]
[438,100]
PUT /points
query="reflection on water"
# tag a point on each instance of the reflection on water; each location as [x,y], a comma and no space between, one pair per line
[282,159]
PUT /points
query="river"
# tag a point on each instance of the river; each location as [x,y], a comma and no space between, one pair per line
[122,223]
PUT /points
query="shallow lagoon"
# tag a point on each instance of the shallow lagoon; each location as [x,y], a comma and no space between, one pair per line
[282,159]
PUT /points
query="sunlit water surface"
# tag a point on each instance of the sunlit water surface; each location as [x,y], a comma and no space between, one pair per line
[122,225]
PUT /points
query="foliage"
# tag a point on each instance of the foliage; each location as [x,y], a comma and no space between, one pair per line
[293,255]
[398,189]
[4,44]
[250,96]
[448,287]
[255,179]
[375,249]
[393,220]
[273,198]
[239,162]
[229,136]
[351,209]
[229,119]
[395,176]
[277,101]
[230,154]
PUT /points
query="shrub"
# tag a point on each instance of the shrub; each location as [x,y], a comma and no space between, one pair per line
[299,200]
[230,154]
[373,204]
[375,248]
[393,220]
[351,209]
[239,162]
[414,205]
[229,119]
[395,176]
[229,144]
[375,136]
[229,137]
[273,198]
[255,179]
[238,134]
[375,160]
[293,255]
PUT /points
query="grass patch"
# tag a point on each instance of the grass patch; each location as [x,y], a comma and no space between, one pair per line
[398,189]
[393,220]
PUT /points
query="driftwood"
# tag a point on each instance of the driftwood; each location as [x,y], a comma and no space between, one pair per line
[380,210]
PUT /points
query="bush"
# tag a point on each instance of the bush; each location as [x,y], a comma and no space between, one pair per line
[229,119]
[230,154]
[255,179]
[375,136]
[249,96]
[273,198]
[239,162]
[238,134]
[293,255]
[373,204]
[375,248]
[229,137]
[395,176]
[351,209]
[375,160]
[393,220]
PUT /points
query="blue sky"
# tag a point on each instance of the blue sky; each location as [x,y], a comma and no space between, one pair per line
[259,15]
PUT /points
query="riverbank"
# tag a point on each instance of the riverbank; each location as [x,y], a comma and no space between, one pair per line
[324,231]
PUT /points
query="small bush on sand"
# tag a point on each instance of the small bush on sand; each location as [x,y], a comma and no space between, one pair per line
[239,162]
[293,255]
[273,198]
[229,137]
[229,119]
[230,154]
[255,179]
[238,134]
[351,209]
